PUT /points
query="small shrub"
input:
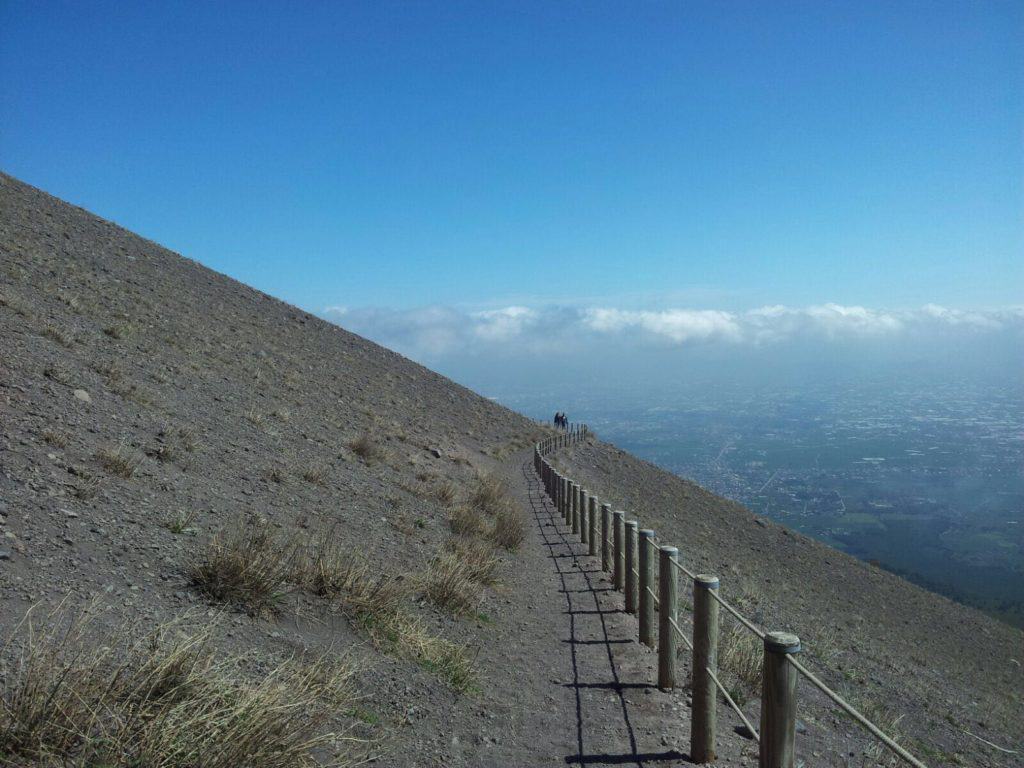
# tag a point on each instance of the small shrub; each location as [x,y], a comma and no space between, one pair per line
[247,566]
[122,460]
[181,522]
[368,449]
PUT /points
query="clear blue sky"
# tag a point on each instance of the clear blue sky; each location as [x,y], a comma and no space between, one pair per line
[716,155]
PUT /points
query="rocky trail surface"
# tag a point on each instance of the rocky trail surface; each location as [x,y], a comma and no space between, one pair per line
[578,688]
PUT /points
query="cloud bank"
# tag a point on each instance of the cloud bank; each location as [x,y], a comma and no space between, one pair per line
[434,332]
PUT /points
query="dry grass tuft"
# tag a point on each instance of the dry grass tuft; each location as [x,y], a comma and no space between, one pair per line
[740,657]
[368,449]
[60,335]
[317,475]
[121,460]
[446,493]
[374,602]
[181,522]
[489,494]
[58,372]
[118,331]
[467,521]
[477,556]
[449,584]
[160,701]
[56,439]
[450,661]
[509,528]
[247,566]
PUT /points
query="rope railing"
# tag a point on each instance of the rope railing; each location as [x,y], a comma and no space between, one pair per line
[735,707]
[645,570]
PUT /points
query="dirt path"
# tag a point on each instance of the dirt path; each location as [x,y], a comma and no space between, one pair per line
[580,688]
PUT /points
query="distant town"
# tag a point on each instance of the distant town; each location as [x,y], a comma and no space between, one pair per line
[927,482]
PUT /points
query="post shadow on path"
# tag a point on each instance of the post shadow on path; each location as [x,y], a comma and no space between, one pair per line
[561,553]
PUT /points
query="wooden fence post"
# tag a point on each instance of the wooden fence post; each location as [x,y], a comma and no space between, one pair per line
[703,715]
[584,506]
[667,616]
[606,533]
[565,500]
[576,508]
[778,701]
[592,526]
[630,568]
[618,545]
[646,587]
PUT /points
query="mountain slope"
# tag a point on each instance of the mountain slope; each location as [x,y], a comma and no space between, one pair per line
[149,403]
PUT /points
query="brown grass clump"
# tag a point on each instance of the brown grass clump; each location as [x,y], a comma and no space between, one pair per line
[446,493]
[467,521]
[247,566]
[163,700]
[509,528]
[450,661]
[328,570]
[121,460]
[740,658]
[60,335]
[317,475]
[368,449]
[489,494]
[56,439]
[449,584]
[477,557]
[503,521]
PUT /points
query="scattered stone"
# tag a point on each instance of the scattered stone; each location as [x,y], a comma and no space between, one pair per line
[81,394]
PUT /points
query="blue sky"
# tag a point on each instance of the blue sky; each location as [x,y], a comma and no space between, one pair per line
[637,156]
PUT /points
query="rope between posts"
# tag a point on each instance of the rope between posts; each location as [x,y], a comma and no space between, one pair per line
[683,568]
[682,635]
[657,602]
[739,617]
[634,570]
[735,707]
[871,727]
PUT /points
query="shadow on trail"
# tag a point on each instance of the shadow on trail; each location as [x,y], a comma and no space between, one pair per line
[566,561]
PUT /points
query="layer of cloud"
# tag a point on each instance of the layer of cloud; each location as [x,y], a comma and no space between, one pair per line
[432,332]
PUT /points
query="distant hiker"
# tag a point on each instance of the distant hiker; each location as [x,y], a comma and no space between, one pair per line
[558,419]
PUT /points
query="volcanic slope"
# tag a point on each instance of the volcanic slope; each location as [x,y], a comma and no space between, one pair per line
[149,405]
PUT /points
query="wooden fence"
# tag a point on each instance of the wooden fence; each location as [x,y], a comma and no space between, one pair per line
[647,572]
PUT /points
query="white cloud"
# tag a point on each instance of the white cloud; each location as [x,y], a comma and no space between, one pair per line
[438,331]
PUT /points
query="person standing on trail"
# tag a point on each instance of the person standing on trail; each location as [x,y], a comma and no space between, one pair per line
[558,419]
